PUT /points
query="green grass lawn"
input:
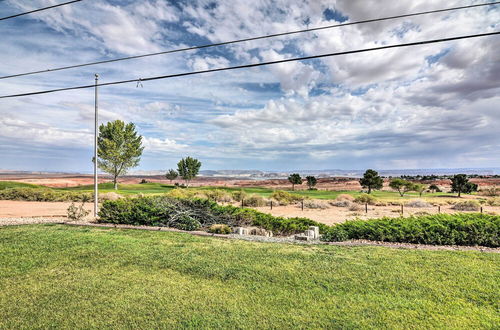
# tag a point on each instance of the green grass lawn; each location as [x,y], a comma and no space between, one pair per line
[159,188]
[14,184]
[70,277]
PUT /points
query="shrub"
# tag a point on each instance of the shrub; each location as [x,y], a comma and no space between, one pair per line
[493,201]
[340,203]
[45,195]
[467,206]
[186,222]
[191,214]
[218,195]
[315,204]
[421,213]
[438,229]
[254,201]
[345,197]
[285,198]
[239,195]
[219,229]
[355,207]
[109,196]
[181,193]
[490,191]
[365,198]
[417,203]
[77,213]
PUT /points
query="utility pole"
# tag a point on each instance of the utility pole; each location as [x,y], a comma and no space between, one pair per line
[96,195]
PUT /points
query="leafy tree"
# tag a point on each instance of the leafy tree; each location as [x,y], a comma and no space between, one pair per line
[420,188]
[434,188]
[402,186]
[460,184]
[294,179]
[470,188]
[171,175]
[119,148]
[311,181]
[188,169]
[371,180]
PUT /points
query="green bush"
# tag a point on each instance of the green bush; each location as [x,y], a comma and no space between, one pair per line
[365,198]
[218,195]
[239,195]
[44,195]
[181,193]
[172,212]
[219,229]
[186,222]
[285,198]
[438,229]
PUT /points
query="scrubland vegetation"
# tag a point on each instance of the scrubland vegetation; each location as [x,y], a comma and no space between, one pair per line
[201,208]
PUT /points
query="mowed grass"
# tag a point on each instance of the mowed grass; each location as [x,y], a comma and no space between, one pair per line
[15,184]
[159,188]
[70,277]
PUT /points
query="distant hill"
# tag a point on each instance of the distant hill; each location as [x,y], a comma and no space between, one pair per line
[261,175]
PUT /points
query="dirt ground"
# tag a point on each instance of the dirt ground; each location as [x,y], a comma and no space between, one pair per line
[341,214]
[21,209]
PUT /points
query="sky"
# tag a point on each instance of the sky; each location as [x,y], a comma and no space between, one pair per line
[432,106]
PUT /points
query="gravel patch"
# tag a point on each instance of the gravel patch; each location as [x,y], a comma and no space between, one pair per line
[30,220]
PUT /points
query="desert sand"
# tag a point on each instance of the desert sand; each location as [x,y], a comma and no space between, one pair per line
[22,209]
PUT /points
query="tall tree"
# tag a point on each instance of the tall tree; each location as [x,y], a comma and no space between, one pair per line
[420,188]
[295,179]
[119,148]
[402,186]
[459,183]
[171,175]
[188,169]
[311,182]
[371,180]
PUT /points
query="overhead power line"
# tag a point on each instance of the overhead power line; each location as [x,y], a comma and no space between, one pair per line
[425,42]
[39,9]
[248,39]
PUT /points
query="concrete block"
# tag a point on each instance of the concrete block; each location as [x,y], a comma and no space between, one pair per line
[309,233]
[316,231]
[241,231]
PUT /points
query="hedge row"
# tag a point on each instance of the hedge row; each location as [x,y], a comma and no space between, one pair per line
[44,195]
[438,229]
[192,214]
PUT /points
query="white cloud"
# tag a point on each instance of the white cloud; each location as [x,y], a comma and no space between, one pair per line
[418,106]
